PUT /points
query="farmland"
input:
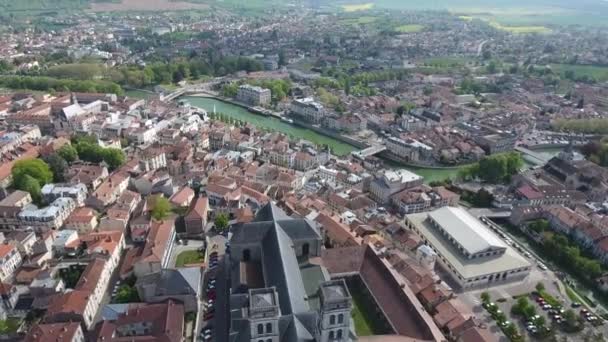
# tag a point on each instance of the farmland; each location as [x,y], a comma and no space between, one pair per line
[145,5]
[357,7]
[412,28]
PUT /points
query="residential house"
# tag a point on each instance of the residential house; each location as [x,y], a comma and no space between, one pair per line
[196,219]
[10,260]
[156,252]
[182,284]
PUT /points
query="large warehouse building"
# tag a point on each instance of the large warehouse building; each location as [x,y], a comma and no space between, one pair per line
[472,254]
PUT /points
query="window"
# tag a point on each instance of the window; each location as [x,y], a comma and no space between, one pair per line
[260,329]
[246,255]
[268,328]
[340,318]
[339,334]
[331,335]
[332,319]
[305,249]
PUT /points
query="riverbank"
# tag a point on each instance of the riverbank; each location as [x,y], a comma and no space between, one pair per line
[320,136]
[238,113]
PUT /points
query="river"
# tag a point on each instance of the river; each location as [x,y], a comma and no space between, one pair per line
[338,147]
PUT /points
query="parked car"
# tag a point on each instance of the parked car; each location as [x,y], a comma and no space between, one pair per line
[575,305]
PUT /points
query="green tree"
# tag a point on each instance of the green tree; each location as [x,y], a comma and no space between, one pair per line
[68,153]
[35,168]
[113,157]
[126,294]
[485,297]
[57,165]
[540,287]
[30,184]
[161,209]
[221,222]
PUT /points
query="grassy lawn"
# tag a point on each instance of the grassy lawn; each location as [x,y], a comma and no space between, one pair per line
[188,257]
[362,326]
[9,325]
[409,28]
[357,7]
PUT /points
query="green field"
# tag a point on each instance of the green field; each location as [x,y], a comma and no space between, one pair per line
[599,73]
[409,28]
[188,257]
[357,7]
[520,29]
[358,20]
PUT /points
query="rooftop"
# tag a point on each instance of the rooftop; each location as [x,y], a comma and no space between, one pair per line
[468,268]
[465,229]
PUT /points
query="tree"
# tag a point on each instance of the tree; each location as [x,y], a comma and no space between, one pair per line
[113,157]
[161,209]
[57,165]
[485,297]
[68,153]
[221,222]
[540,287]
[36,168]
[127,294]
[30,184]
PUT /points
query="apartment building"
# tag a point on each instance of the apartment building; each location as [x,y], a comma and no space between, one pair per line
[10,259]
[78,192]
[307,109]
[256,96]
[47,218]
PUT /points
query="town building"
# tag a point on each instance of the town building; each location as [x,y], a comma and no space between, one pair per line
[156,252]
[256,96]
[307,109]
[196,219]
[47,218]
[150,322]
[409,150]
[56,332]
[268,288]
[84,301]
[10,260]
[468,250]
[389,182]
[182,284]
[78,192]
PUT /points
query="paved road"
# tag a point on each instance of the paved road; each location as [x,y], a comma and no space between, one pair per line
[221,319]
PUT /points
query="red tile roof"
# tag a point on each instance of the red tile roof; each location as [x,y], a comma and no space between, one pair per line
[54,332]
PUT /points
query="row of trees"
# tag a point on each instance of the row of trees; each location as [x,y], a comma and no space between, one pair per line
[597,152]
[179,70]
[561,250]
[590,126]
[54,84]
[497,168]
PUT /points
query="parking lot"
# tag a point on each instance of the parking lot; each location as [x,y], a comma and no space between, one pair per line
[213,312]
[555,318]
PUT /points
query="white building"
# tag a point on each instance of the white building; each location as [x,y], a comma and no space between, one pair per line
[47,218]
[77,192]
[10,259]
[392,181]
[307,109]
[408,150]
[328,174]
[470,252]
[256,96]
[62,239]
